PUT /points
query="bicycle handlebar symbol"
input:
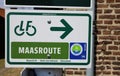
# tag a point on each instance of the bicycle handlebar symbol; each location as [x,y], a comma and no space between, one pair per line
[19,30]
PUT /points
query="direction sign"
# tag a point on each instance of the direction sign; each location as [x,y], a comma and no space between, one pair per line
[48,38]
[49,3]
[67,28]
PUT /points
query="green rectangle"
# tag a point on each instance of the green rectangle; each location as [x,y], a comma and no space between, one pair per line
[39,50]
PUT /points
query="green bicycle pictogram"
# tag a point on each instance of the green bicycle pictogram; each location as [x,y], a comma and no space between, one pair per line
[19,30]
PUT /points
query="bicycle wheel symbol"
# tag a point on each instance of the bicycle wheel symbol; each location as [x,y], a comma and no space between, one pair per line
[19,29]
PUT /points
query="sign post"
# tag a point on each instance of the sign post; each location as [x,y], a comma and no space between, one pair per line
[48,39]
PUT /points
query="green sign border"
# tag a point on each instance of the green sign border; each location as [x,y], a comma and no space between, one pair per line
[46,14]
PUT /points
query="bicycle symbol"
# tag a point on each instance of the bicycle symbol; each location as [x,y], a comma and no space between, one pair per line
[19,30]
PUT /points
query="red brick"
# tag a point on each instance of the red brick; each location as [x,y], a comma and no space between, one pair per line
[117,43]
[100,1]
[102,5]
[106,32]
[85,73]
[108,67]
[100,42]
[118,58]
[114,27]
[116,63]
[99,32]
[78,72]
[101,27]
[116,32]
[118,16]
[108,11]
[115,5]
[106,16]
[106,58]
[116,53]
[101,58]
[98,52]
[99,11]
[109,58]
[117,0]
[98,72]
[107,63]
[117,11]
[117,73]
[107,38]
[98,63]
[69,72]
[112,47]
[100,68]
[108,22]
[110,1]
[99,22]
[103,48]
[117,21]
[107,42]
[106,72]
[116,68]
[107,53]
[118,37]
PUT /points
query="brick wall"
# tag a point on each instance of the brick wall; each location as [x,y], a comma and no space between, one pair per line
[108,37]
[107,51]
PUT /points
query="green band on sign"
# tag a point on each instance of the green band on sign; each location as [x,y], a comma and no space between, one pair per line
[39,50]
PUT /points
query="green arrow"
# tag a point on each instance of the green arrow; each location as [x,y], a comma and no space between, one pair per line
[67,28]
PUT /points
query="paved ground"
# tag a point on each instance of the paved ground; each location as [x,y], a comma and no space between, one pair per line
[8,71]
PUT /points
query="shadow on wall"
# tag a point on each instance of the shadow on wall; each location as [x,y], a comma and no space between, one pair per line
[95,32]
[2,37]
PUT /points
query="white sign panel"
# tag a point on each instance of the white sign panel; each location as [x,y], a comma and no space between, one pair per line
[48,38]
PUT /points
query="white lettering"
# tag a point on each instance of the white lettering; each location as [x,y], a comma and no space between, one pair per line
[21,50]
[39,50]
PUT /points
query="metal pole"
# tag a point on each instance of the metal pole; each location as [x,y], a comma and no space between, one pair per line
[2,4]
[90,71]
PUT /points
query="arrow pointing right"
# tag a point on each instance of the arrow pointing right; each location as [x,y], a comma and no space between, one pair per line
[67,28]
